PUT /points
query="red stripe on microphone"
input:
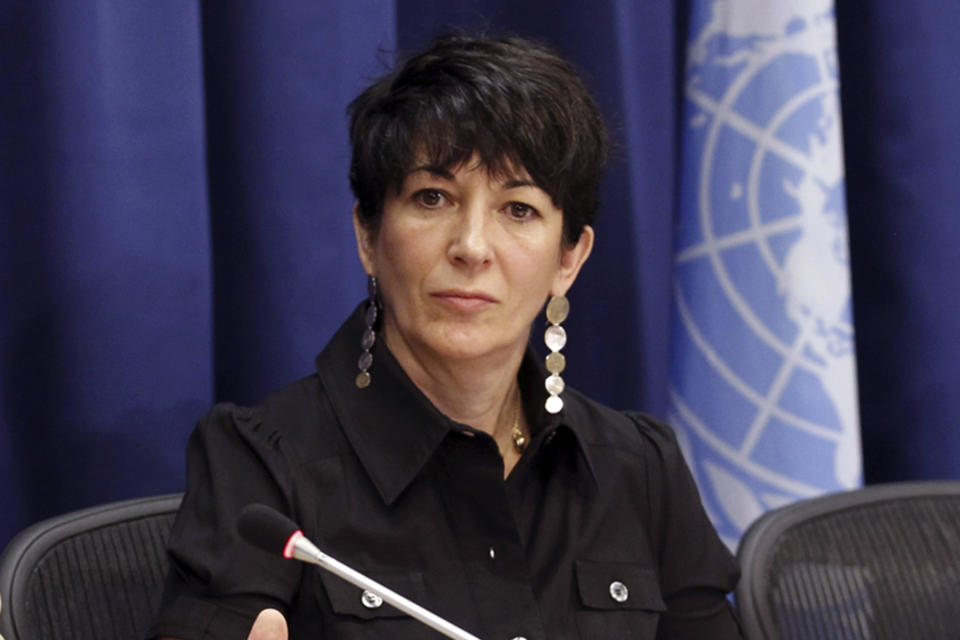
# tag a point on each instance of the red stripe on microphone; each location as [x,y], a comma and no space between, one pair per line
[291,543]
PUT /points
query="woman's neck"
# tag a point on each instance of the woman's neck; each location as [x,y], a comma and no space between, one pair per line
[481,392]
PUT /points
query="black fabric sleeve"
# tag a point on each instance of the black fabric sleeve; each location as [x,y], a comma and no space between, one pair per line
[218,583]
[697,571]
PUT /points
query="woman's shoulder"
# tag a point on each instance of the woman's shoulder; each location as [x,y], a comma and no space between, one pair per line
[293,420]
[631,431]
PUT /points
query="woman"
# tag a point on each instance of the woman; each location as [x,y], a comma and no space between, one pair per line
[438,463]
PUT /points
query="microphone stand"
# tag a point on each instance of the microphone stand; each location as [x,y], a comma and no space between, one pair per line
[306,551]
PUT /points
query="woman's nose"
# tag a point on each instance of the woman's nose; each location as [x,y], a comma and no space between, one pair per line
[470,244]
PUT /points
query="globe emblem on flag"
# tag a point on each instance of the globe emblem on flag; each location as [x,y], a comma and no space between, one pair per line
[763,385]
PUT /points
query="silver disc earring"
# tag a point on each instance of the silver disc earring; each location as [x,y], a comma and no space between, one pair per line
[555,337]
[369,335]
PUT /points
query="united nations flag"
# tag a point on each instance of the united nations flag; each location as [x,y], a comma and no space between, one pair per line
[762,384]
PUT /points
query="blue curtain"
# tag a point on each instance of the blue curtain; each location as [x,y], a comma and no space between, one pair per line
[176,218]
[900,86]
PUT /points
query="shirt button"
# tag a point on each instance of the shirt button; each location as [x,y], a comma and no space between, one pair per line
[493,553]
[371,600]
[519,638]
[619,591]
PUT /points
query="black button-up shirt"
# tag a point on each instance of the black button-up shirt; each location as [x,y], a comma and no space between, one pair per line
[597,533]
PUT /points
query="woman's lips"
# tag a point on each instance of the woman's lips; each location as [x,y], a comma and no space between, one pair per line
[466,300]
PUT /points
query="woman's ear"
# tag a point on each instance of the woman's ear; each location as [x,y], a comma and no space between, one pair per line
[571,259]
[364,241]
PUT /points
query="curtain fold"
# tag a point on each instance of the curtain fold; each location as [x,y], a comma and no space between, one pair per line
[277,80]
[900,87]
[105,330]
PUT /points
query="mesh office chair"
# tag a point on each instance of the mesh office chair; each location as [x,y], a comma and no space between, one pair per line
[877,563]
[94,574]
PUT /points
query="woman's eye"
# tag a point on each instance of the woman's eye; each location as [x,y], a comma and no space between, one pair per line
[429,197]
[520,211]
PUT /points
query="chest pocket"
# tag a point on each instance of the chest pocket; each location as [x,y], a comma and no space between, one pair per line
[357,615]
[619,600]
[348,600]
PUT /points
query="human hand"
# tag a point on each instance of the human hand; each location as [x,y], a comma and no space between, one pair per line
[269,625]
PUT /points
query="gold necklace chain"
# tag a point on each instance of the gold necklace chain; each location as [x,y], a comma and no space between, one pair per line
[516,434]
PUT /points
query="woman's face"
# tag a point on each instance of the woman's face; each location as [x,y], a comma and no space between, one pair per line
[465,261]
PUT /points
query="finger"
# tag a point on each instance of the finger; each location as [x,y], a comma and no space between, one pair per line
[269,625]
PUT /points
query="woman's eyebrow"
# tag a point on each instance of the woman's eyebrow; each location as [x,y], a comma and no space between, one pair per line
[433,169]
[446,174]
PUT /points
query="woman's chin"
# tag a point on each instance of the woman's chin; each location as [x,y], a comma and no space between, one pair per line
[472,343]
[456,339]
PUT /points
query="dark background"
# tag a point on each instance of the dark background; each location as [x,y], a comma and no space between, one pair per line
[176,218]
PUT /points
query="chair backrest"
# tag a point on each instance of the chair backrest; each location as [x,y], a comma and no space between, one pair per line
[94,574]
[882,562]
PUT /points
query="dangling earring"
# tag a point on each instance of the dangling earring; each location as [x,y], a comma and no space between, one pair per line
[556,337]
[369,335]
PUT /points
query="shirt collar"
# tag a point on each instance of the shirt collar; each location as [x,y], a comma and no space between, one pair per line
[547,426]
[394,429]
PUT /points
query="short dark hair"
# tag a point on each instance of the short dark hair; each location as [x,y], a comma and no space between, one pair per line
[513,102]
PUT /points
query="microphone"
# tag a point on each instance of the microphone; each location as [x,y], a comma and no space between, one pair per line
[268,529]
[273,532]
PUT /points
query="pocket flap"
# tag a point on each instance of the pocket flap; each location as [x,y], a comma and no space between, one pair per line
[618,585]
[347,599]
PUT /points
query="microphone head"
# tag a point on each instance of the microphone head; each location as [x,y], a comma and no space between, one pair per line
[267,529]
